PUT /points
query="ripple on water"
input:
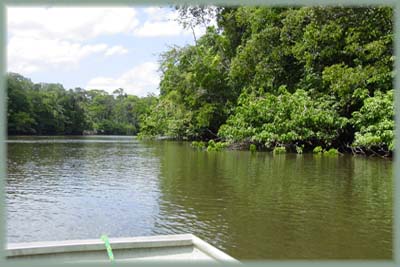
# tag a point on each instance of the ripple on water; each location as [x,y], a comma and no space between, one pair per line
[253,206]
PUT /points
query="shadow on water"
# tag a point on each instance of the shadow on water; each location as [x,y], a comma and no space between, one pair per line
[251,205]
[258,206]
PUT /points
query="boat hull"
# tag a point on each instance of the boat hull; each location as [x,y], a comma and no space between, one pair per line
[186,247]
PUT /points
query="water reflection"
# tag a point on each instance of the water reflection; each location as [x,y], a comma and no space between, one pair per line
[253,206]
[259,206]
[61,190]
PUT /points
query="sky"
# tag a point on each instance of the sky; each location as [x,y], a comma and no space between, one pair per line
[93,47]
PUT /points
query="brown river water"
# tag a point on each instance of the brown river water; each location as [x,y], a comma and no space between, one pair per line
[250,205]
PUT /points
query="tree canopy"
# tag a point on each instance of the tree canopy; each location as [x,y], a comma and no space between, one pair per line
[310,76]
[269,77]
[50,109]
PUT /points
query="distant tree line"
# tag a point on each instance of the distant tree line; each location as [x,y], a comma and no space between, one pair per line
[292,77]
[49,109]
[301,77]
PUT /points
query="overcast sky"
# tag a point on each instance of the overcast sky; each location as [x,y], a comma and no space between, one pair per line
[93,47]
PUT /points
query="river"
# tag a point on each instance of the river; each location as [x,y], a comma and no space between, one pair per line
[250,205]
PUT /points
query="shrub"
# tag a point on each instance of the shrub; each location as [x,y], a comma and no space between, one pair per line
[279,150]
[199,145]
[331,152]
[317,150]
[253,148]
[216,146]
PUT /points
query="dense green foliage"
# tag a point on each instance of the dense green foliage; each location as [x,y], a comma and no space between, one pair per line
[286,77]
[318,150]
[50,109]
[298,79]
[216,146]
[331,152]
[195,97]
[283,119]
[279,150]
[253,148]
[374,123]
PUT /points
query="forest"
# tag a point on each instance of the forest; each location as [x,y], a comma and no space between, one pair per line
[49,109]
[292,78]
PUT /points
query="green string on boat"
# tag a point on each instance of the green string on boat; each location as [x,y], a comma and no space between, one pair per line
[108,247]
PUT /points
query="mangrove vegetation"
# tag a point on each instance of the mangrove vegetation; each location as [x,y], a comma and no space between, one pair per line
[279,79]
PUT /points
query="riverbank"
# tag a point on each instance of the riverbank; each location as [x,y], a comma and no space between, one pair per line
[215,145]
[280,149]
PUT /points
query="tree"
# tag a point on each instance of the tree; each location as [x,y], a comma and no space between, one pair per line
[47,108]
[311,72]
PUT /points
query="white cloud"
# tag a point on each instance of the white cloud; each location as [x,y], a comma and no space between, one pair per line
[151,11]
[27,55]
[140,80]
[159,28]
[116,50]
[54,38]
[160,13]
[163,22]
[76,24]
